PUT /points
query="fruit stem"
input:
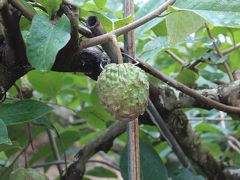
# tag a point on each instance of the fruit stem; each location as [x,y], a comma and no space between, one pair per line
[117,49]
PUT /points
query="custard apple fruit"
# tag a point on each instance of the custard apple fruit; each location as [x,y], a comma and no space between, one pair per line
[123,90]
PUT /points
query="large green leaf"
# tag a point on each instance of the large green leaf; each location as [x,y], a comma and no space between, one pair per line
[181,24]
[148,158]
[23,111]
[48,83]
[217,12]
[45,40]
[4,134]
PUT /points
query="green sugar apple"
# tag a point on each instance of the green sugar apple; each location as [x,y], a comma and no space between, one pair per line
[123,90]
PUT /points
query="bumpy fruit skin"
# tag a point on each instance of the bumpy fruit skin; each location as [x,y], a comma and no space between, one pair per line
[123,90]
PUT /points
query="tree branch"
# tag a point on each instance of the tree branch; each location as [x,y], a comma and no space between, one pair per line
[187,90]
[231,49]
[106,37]
[18,5]
[188,140]
[101,143]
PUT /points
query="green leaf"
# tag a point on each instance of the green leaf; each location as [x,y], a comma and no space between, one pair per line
[4,134]
[23,174]
[6,147]
[101,172]
[187,175]
[214,58]
[28,6]
[23,111]
[152,48]
[207,127]
[210,75]
[181,24]
[51,5]
[77,3]
[45,40]
[90,114]
[106,22]
[214,148]
[160,29]
[187,77]
[148,158]
[87,138]
[146,8]
[217,12]
[100,3]
[122,22]
[48,83]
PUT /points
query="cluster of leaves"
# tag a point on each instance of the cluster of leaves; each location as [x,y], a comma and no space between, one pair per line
[57,98]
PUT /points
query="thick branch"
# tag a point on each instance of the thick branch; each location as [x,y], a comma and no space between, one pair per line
[172,99]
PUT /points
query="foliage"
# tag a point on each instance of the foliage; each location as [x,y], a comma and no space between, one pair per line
[67,102]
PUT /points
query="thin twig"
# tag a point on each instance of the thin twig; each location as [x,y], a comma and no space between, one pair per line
[208,119]
[181,61]
[159,122]
[30,137]
[174,56]
[233,146]
[105,163]
[38,5]
[234,143]
[15,159]
[61,162]
[219,53]
[231,49]
[54,150]
[40,165]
